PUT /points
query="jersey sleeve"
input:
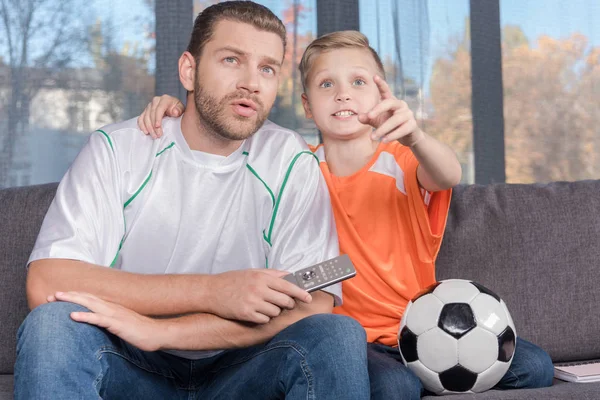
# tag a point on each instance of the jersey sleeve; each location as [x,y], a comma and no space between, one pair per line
[302,231]
[428,210]
[85,219]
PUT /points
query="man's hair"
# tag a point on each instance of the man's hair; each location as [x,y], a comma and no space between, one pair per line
[247,12]
[332,41]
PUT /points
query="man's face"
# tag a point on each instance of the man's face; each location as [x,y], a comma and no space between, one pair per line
[237,78]
[340,86]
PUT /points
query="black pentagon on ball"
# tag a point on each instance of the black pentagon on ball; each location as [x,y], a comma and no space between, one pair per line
[458,379]
[485,290]
[425,291]
[457,319]
[506,344]
[408,345]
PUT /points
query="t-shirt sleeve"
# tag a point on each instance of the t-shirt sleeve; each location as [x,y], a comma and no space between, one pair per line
[302,231]
[428,210]
[85,219]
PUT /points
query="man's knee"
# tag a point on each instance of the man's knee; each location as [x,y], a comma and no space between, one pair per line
[329,336]
[50,329]
[339,329]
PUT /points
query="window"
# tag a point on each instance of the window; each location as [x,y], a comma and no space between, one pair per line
[68,67]
[551,78]
[425,48]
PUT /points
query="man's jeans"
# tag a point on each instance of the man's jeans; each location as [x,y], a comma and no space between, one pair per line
[390,379]
[319,357]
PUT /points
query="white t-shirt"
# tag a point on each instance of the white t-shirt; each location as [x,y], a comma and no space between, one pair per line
[157,207]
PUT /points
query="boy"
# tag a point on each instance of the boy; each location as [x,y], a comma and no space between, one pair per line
[389,184]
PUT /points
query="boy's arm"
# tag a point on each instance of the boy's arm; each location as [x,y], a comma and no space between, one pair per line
[150,121]
[439,168]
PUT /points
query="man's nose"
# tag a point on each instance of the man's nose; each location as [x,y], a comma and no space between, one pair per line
[249,81]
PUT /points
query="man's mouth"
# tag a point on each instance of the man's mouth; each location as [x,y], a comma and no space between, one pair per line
[245,103]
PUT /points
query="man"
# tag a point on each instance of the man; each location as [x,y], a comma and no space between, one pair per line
[199,228]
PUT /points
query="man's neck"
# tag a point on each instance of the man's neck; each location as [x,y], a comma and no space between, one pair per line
[200,138]
[346,157]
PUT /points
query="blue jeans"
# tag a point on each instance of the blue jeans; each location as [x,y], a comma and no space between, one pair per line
[391,380]
[320,357]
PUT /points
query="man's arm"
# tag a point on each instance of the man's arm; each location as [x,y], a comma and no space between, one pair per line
[209,332]
[253,295]
[190,332]
[145,294]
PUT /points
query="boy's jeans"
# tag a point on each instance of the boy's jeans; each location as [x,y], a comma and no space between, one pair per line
[390,379]
[319,357]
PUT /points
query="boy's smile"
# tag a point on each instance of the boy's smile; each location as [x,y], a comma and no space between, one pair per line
[338,91]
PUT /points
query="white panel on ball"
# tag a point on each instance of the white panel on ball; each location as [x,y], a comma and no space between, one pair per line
[456,291]
[437,350]
[429,379]
[424,313]
[489,313]
[490,378]
[478,350]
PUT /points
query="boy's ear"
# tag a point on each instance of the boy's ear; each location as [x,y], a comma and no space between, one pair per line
[187,70]
[306,105]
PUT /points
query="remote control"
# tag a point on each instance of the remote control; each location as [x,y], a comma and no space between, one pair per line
[323,274]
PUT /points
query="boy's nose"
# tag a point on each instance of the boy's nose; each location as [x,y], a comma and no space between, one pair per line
[342,98]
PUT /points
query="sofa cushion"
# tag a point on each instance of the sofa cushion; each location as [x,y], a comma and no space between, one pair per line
[560,391]
[538,247]
[21,216]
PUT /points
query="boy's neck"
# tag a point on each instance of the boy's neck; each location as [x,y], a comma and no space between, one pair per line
[346,157]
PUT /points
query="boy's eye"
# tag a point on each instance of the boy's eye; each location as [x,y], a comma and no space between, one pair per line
[326,84]
[360,82]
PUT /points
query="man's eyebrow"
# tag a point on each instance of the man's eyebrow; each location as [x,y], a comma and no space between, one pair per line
[241,53]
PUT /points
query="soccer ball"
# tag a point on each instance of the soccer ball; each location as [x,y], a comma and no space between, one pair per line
[457,336]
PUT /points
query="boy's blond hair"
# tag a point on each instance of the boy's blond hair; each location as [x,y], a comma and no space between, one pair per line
[332,41]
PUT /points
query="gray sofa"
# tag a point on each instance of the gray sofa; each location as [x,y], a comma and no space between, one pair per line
[537,246]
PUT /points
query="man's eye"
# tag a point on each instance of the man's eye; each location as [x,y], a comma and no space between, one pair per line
[269,70]
[230,60]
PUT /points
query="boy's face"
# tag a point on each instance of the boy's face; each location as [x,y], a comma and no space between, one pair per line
[340,86]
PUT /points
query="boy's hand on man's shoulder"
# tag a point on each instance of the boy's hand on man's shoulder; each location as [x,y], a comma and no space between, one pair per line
[392,118]
[150,120]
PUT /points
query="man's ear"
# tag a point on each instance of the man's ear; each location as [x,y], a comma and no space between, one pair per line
[187,70]
[306,105]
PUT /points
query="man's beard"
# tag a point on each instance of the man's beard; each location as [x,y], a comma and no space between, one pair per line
[212,114]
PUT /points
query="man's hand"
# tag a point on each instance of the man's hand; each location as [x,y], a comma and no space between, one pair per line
[392,118]
[137,330]
[150,121]
[254,295]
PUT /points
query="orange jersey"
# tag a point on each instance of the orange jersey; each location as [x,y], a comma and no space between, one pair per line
[392,231]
